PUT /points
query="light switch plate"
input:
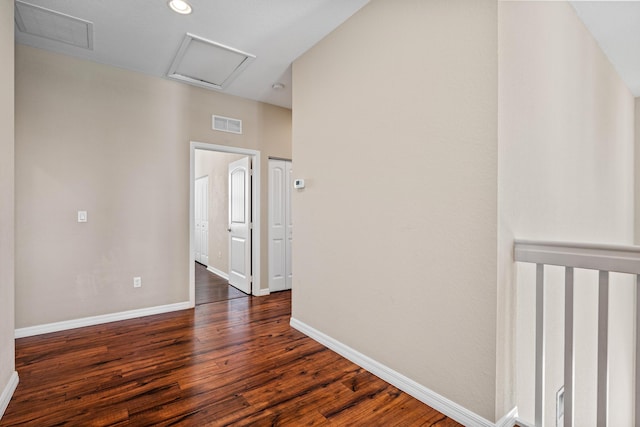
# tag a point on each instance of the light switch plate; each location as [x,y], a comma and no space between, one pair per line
[82,216]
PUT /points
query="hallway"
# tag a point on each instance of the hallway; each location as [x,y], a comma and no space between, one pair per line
[236,362]
[213,288]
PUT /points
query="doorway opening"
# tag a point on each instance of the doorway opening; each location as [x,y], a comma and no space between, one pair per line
[224,223]
[211,287]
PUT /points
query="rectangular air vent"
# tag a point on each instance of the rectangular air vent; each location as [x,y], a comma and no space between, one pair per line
[202,62]
[52,25]
[226,124]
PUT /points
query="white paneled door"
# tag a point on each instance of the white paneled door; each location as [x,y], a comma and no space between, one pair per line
[201,211]
[280,225]
[240,224]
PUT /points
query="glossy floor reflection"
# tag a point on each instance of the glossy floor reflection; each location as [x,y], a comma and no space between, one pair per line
[235,362]
[213,288]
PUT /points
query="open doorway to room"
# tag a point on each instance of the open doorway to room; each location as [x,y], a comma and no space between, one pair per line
[224,243]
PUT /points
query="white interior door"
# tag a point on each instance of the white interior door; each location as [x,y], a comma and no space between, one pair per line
[280,225]
[201,211]
[240,224]
[288,186]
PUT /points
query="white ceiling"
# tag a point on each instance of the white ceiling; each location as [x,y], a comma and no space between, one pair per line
[144,35]
[616,27]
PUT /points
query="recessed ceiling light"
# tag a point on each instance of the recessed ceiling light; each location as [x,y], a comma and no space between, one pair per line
[180,6]
[277,86]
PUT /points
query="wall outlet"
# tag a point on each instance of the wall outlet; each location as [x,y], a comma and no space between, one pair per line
[219,254]
[560,407]
[137,282]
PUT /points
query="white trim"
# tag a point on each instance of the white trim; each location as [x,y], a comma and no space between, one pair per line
[509,420]
[409,386]
[255,213]
[194,80]
[7,393]
[263,292]
[521,423]
[218,273]
[97,320]
[618,258]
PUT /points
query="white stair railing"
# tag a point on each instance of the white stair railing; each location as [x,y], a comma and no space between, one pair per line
[605,259]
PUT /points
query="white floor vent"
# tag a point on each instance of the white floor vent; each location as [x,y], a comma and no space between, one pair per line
[226,124]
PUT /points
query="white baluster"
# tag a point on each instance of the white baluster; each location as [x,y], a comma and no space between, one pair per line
[539,393]
[637,350]
[568,347]
[603,344]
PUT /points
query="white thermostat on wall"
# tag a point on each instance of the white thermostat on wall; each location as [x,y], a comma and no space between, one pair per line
[298,183]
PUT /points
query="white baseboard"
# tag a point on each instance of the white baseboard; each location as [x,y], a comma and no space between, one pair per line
[520,422]
[7,392]
[409,386]
[217,272]
[263,292]
[509,420]
[97,320]
[220,273]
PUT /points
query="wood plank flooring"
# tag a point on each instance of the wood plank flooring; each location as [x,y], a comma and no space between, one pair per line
[213,288]
[234,363]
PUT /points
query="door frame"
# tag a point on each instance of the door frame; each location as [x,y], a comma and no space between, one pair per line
[255,214]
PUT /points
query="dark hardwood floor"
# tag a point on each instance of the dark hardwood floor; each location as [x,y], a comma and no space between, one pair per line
[213,288]
[236,362]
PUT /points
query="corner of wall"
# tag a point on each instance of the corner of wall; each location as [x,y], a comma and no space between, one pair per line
[7,392]
[415,162]
[8,375]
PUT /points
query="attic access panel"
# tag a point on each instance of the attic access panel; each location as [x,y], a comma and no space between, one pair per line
[47,23]
[208,64]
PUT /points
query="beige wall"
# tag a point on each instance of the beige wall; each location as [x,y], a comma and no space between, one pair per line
[395,132]
[114,143]
[565,173]
[7,363]
[215,166]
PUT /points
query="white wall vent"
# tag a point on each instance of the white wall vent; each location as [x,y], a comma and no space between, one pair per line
[226,124]
[52,25]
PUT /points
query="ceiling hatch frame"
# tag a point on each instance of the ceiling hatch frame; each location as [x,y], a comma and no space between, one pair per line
[237,61]
[53,25]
